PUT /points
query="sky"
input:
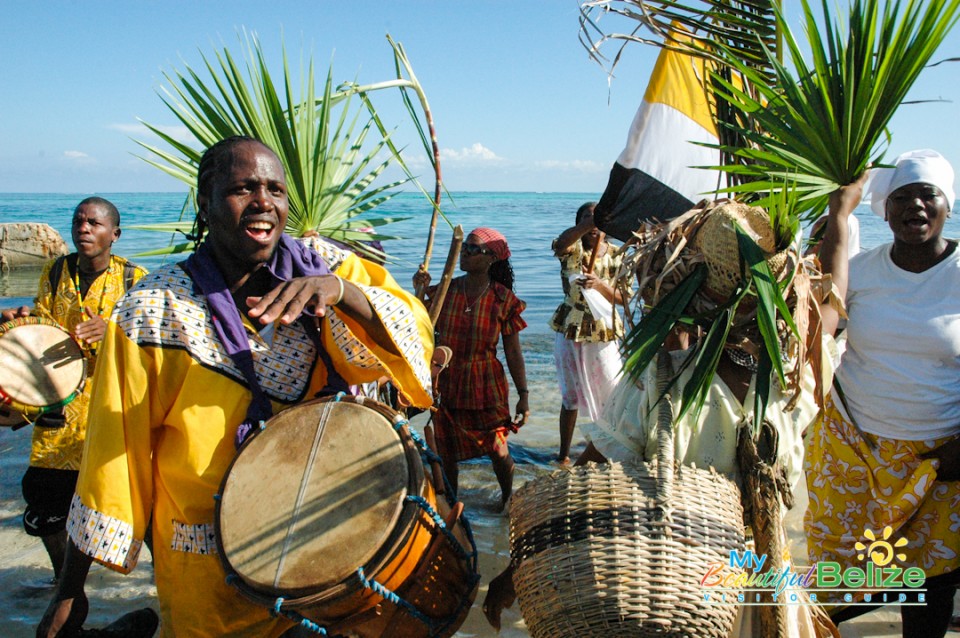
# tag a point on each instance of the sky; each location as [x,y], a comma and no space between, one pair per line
[517,102]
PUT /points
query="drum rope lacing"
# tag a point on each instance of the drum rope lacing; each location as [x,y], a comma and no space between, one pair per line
[429,456]
[306,623]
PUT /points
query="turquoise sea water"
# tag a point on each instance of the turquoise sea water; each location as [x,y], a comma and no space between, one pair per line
[530,221]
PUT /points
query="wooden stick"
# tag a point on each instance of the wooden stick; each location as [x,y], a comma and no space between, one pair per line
[453,255]
[595,253]
[438,185]
[437,470]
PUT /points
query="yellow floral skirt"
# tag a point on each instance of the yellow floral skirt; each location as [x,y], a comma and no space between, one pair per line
[859,482]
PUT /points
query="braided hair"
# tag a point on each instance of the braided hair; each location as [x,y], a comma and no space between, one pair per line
[212,162]
[502,272]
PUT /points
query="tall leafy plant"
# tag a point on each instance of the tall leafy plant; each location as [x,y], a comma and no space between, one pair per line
[822,122]
[332,142]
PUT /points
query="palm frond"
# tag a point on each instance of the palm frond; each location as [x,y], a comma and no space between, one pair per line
[740,24]
[822,122]
[324,134]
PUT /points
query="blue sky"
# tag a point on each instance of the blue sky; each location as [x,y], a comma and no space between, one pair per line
[518,104]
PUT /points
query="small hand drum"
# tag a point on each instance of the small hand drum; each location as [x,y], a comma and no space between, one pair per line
[42,368]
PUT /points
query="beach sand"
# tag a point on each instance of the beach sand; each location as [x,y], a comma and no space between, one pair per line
[22,558]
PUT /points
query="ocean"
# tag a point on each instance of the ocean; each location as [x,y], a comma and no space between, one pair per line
[530,221]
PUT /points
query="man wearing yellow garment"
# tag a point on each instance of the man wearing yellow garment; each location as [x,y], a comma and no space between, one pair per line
[78,292]
[252,322]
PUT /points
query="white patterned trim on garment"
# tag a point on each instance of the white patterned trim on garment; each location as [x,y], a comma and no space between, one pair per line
[194,539]
[104,538]
[332,254]
[164,311]
[400,324]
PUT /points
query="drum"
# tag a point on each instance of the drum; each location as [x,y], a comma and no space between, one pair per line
[326,514]
[42,368]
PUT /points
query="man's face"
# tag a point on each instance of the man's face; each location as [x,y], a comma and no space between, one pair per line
[93,231]
[246,208]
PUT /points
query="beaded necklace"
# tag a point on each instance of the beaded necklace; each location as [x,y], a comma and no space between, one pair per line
[76,288]
[742,358]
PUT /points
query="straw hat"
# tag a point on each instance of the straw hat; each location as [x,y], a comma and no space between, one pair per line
[717,242]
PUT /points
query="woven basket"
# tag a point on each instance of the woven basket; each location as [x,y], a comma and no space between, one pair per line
[619,550]
[717,241]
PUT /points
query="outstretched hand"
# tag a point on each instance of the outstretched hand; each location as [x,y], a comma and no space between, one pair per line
[846,198]
[287,301]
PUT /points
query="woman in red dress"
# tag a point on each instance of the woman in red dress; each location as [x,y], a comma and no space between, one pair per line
[473,413]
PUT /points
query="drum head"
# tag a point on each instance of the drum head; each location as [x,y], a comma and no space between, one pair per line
[40,364]
[312,497]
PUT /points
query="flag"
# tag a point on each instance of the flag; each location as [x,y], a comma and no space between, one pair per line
[653,176]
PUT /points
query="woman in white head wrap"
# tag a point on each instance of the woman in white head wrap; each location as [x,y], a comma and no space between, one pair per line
[886,453]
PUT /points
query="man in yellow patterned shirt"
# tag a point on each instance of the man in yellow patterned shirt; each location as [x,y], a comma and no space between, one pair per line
[77,291]
[251,323]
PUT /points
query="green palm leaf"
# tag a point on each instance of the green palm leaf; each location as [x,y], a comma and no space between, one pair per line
[640,346]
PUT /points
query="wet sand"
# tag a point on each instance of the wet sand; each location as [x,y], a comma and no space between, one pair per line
[23,560]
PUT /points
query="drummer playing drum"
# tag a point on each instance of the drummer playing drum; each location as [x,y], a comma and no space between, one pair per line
[77,292]
[199,353]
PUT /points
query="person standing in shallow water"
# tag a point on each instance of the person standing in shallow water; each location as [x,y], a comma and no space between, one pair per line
[586,349]
[251,323]
[473,416]
[78,292]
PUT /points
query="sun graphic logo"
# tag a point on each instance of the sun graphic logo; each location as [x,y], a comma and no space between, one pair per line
[880,550]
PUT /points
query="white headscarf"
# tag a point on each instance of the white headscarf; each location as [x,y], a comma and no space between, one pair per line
[923,166]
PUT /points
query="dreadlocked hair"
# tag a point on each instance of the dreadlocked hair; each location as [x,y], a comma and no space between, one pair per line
[212,162]
[502,272]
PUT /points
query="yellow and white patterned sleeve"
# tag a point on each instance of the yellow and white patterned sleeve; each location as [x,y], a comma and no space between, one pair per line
[111,507]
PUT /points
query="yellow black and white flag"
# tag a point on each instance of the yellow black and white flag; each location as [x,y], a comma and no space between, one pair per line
[654,177]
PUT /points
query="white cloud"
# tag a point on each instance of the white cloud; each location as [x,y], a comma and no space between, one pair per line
[138,130]
[76,155]
[474,153]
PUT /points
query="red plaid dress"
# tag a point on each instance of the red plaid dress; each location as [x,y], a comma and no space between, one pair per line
[474,412]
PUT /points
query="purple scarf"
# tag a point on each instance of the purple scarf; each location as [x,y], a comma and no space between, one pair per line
[291,259]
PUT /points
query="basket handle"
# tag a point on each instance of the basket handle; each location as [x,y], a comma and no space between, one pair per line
[665,455]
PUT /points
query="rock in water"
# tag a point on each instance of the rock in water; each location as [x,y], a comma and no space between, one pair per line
[29,244]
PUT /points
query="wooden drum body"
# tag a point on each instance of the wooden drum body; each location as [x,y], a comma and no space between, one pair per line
[327,514]
[42,368]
